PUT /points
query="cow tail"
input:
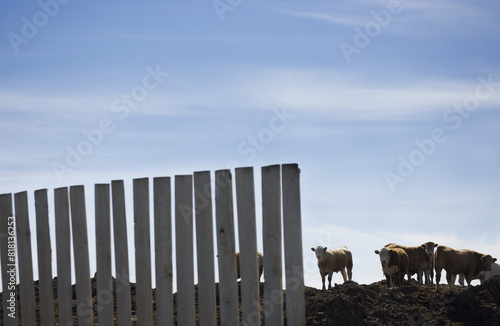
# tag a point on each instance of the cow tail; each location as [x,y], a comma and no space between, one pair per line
[349,260]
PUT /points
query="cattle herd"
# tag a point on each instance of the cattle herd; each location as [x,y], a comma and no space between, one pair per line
[398,261]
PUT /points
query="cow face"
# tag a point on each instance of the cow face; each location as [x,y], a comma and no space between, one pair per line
[429,248]
[385,255]
[320,251]
[486,261]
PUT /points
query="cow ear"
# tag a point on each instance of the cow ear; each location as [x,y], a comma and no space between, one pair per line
[494,259]
[435,245]
[423,246]
[377,252]
[313,249]
[324,248]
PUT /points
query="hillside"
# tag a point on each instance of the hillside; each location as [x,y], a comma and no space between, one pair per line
[358,304]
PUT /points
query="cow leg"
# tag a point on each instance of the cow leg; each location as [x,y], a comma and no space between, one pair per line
[330,280]
[468,278]
[388,278]
[450,278]
[426,275]
[438,278]
[349,273]
[419,277]
[344,275]
[323,280]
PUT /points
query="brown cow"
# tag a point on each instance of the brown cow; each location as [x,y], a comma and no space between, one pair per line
[419,260]
[454,262]
[394,265]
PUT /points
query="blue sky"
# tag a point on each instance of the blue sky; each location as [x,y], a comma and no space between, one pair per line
[390,108]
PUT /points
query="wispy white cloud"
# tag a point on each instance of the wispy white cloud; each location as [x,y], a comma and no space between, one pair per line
[351,97]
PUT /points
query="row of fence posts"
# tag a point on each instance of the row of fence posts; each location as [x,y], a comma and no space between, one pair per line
[193,209]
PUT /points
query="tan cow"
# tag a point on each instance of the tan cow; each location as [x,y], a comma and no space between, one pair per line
[454,262]
[419,260]
[333,260]
[394,265]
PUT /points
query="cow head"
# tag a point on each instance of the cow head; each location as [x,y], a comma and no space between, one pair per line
[385,255]
[320,251]
[486,261]
[429,248]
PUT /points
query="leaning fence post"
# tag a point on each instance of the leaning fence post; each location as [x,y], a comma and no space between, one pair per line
[27,292]
[271,216]
[123,312]
[292,226]
[84,310]
[46,294]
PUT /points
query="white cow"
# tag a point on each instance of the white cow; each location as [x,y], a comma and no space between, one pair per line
[330,261]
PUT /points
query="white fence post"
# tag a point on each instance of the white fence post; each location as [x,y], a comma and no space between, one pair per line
[84,309]
[46,294]
[104,284]
[228,288]
[292,226]
[144,297]
[271,216]
[205,248]
[123,303]
[25,260]
[184,249]
[247,233]
[163,250]
[63,249]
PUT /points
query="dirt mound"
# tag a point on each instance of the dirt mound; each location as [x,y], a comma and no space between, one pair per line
[414,304]
[359,304]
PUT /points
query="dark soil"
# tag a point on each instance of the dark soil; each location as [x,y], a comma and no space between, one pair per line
[358,304]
